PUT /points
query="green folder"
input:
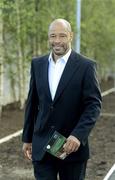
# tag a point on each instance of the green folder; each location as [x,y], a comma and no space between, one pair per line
[55,145]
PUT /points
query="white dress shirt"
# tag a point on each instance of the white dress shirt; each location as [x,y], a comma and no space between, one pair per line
[55,71]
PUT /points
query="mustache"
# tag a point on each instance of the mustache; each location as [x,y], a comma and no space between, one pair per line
[57,44]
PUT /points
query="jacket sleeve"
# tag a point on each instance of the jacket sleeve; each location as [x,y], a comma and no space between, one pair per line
[31,109]
[91,102]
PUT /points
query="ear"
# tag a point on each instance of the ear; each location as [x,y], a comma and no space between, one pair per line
[71,36]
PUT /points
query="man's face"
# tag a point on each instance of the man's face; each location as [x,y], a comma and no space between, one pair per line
[59,39]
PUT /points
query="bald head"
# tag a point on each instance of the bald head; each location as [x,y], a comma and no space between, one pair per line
[61,22]
[60,37]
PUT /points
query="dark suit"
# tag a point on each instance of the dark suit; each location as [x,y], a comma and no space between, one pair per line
[74,110]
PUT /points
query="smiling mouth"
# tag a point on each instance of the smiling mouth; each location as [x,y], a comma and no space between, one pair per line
[57,47]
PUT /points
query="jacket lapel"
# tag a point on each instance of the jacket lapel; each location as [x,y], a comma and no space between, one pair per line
[45,80]
[71,66]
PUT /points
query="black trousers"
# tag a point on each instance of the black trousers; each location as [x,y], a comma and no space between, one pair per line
[49,167]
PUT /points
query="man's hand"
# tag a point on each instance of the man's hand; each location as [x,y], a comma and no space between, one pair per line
[71,145]
[27,150]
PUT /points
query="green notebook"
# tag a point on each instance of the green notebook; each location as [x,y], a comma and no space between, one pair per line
[55,145]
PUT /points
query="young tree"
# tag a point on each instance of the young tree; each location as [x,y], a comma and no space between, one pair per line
[1,58]
[98,32]
[20,56]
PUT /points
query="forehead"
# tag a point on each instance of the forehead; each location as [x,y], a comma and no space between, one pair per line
[58,28]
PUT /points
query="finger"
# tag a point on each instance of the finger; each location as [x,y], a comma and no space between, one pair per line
[76,148]
[25,154]
[71,146]
[68,147]
[29,155]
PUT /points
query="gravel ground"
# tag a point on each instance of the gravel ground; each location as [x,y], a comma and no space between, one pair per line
[102,144]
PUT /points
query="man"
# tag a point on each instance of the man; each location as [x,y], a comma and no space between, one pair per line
[64,96]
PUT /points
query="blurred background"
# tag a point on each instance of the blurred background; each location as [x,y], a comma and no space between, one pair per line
[23,35]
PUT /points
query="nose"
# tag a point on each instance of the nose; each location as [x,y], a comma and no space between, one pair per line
[57,39]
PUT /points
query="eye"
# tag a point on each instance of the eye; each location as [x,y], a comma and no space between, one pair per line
[52,35]
[62,35]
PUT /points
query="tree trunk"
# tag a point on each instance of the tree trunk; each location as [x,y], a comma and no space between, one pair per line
[20,59]
[1,61]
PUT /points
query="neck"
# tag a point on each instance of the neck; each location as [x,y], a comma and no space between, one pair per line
[56,57]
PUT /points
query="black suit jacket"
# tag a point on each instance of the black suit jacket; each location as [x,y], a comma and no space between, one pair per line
[74,110]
